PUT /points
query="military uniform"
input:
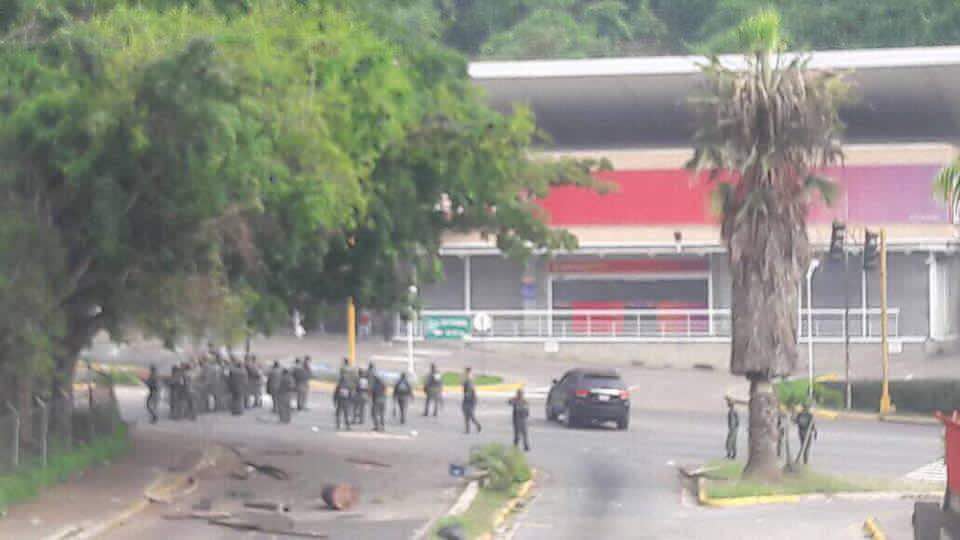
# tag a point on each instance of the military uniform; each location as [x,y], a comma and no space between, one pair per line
[153,395]
[273,385]
[402,394]
[469,405]
[433,390]
[302,380]
[360,398]
[806,428]
[238,388]
[733,425]
[284,388]
[173,385]
[341,402]
[254,380]
[521,412]
[378,391]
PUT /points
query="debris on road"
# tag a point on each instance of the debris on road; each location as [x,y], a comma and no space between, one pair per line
[339,496]
[198,514]
[269,470]
[273,506]
[370,462]
[282,452]
[267,524]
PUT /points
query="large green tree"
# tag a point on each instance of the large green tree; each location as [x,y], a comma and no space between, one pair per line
[763,132]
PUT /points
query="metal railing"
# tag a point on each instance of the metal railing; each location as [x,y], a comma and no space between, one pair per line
[667,325]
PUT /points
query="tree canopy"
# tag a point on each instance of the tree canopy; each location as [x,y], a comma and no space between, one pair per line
[514,29]
[205,169]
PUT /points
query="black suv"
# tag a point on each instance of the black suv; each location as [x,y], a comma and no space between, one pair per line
[590,395]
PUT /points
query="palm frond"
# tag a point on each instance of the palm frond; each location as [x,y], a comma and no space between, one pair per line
[823,186]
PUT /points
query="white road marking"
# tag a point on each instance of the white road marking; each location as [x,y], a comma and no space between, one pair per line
[931,472]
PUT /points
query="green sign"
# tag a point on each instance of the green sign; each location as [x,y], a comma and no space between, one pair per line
[446,327]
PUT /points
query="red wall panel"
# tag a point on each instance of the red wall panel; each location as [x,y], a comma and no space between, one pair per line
[867,194]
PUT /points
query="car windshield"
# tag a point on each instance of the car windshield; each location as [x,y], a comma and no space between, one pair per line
[602,381]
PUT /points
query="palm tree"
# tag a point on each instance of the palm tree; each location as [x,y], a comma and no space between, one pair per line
[764,129]
[947,186]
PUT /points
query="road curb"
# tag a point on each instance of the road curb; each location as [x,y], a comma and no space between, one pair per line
[872,530]
[831,414]
[465,499]
[732,502]
[511,505]
[160,490]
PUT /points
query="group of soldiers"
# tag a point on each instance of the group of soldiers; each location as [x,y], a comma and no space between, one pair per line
[217,382]
[354,390]
[806,430]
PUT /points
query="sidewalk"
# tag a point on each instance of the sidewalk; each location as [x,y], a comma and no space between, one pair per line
[102,492]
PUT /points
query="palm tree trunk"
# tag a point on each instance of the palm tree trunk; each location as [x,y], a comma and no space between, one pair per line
[762,463]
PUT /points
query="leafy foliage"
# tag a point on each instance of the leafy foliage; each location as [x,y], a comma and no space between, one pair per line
[505,466]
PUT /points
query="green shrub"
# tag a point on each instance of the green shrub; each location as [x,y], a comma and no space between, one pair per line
[505,466]
[30,478]
[451,378]
[796,392]
[922,396]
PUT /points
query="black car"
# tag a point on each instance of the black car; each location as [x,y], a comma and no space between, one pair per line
[590,395]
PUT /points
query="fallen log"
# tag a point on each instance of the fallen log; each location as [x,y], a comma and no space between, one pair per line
[339,496]
[273,506]
[268,470]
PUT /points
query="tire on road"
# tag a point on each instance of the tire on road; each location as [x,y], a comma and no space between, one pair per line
[623,423]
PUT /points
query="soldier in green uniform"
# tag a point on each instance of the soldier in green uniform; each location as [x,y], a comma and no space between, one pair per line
[807,430]
[733,426]
[284,389]
[402,395]
[342,402]
[153,393]
[378,393]
[469,404]
[360,396]
[521,412]
[433,389]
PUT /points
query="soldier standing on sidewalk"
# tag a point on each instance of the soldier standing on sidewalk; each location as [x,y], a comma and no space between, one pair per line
[521,412]
[469,404]
[402,395]
[433,389]
[173,392]
[153,393]
[733,426]
[302,380]
[238,388]
[342,402]
[807,430]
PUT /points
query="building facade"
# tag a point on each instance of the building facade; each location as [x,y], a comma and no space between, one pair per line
[651,266]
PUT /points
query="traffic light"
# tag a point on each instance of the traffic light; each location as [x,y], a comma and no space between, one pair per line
[836,239]
[871,249]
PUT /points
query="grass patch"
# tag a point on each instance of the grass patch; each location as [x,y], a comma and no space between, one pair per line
[724,483]
[452,378]
[508,470]
[31,478]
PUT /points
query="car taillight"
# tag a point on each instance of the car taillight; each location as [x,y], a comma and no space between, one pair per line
[582,393]
[624,395]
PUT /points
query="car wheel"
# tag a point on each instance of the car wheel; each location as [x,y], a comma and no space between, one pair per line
[551,416]
[572,420]
[623,423]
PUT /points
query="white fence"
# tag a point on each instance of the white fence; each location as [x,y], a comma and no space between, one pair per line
[650,325]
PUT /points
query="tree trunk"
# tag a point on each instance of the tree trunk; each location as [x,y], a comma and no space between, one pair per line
[61,397]
[762,462]
[24,405]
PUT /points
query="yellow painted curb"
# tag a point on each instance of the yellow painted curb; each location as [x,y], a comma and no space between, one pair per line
[732,502]
[511,505]
[873,530]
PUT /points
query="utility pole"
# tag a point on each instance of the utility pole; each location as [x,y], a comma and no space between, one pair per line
[838,247]
[885,405]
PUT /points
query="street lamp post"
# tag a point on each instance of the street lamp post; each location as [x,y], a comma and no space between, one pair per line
[814,264]
[411,324]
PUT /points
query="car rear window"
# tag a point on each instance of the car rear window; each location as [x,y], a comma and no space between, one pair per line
[602,381]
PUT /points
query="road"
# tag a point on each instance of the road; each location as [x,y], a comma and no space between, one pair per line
[597,483]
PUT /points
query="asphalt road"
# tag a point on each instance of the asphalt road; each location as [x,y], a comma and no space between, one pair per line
[595,483]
